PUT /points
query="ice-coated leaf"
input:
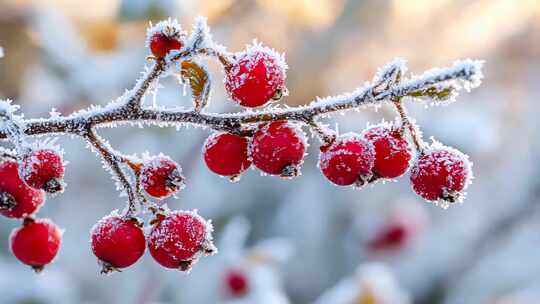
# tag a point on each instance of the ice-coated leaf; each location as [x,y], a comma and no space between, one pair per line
[199,82]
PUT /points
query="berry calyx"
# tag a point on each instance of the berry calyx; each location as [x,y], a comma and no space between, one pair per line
[226,154]
[43,169]
[348,160]
[236,282]
[392,152]
[277,148]
[179,238]
[161,177]
[17,200]
[117,242]
[441,174]
[36,242]
[256,77]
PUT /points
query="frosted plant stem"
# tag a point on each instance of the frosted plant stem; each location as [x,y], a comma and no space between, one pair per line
[406,123]
[141,88]
[111,158]
[325,135]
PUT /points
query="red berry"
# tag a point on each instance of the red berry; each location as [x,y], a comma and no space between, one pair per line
[392,236]
[161,44]
[256,77]
[226,154]
[178,239]
[392,152]
[236,282]
[43,169]
[17,200]
[441,174]
[278,148]
[161,177]
[36,242]
[348,160]
[117,242]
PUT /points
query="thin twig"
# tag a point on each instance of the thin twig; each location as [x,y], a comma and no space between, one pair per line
[406,123]
[113,161]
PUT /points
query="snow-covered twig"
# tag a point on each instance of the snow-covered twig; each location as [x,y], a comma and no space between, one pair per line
[78,122]
[390,84]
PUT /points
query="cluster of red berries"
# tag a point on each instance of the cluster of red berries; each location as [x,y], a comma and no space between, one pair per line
[22,187]
[380,152]
[276,148]
[176,240]
[253,77]
[256,76]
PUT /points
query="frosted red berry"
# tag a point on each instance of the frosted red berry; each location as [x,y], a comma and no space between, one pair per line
[255,77]
[277,148]
[441,174]
[36,242]
[348,160]
[117,242]
[161,177]
[161,44]
[236,282]
[43,169]
[226,154]
[17,200]
[179,238]
[392,152]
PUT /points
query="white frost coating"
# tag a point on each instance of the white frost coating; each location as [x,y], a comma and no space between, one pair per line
[465,74]
[253,53]
[96,226]
[201,31]
[12,125]
[344,138]
[257,46]
[390,73]
[170,28]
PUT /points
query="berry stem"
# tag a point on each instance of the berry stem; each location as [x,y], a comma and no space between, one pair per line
[113,160]
[325,135]
[406,123]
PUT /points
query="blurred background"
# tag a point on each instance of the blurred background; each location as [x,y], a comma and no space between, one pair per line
[303,240]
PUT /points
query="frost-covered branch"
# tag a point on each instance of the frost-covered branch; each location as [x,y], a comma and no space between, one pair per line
[462,74]
[270,138]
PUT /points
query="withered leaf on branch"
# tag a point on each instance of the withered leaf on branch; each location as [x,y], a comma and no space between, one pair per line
[199,82]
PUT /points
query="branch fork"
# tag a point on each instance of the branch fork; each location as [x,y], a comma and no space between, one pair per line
[390,85]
